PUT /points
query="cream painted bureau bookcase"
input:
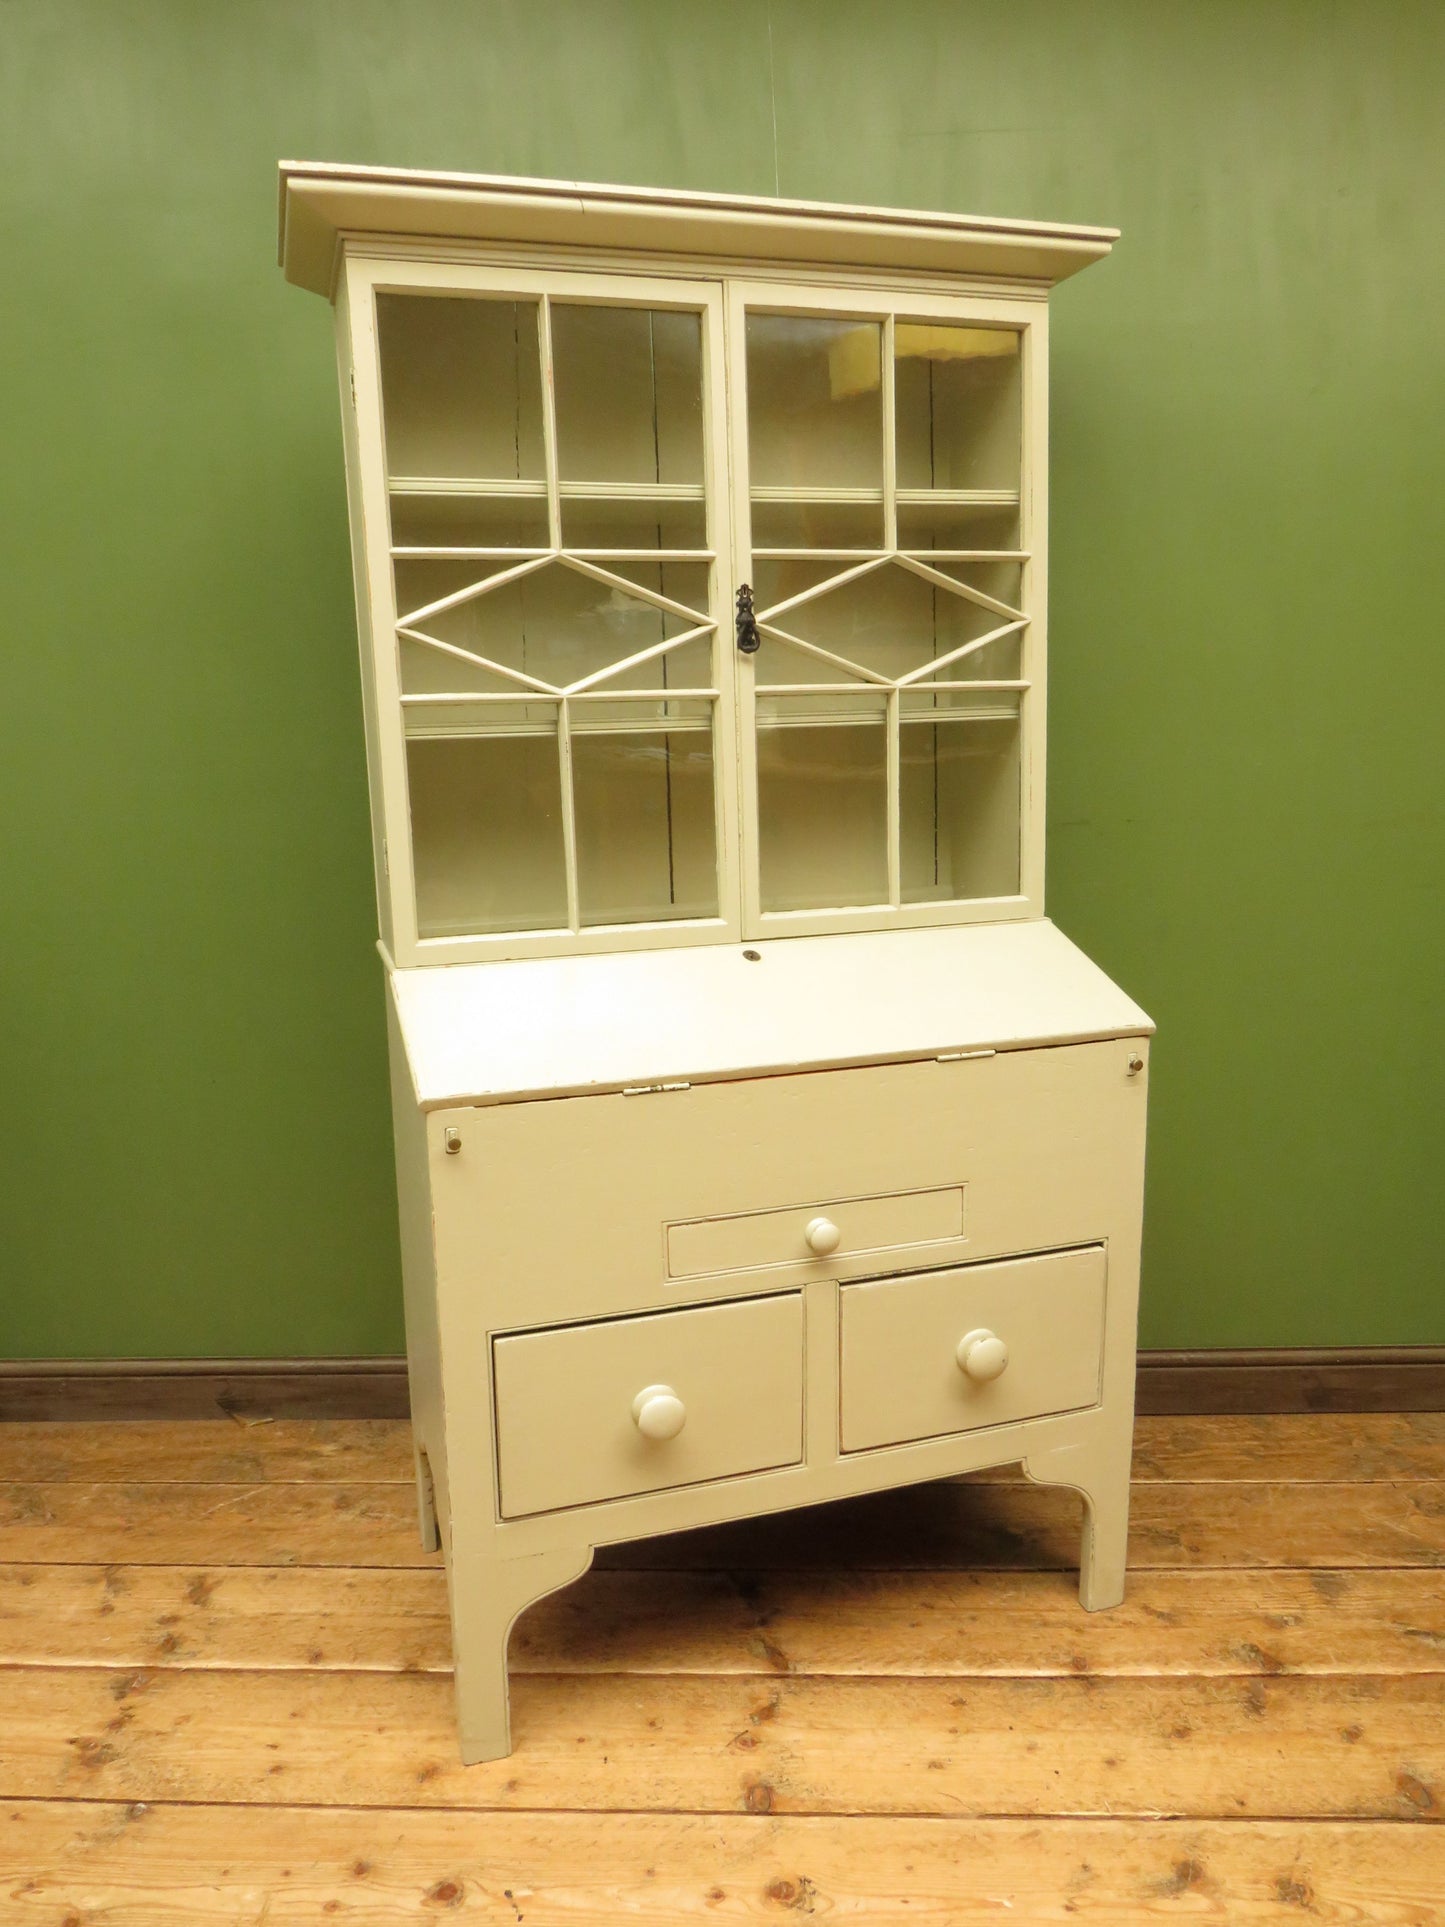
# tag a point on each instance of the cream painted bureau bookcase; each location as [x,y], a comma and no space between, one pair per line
[759,1141]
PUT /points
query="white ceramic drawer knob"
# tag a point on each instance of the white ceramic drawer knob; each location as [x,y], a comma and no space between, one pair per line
[658,1412]
[982,1355]
[823,1236]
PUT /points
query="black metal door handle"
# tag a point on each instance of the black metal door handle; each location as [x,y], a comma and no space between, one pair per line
[749,640]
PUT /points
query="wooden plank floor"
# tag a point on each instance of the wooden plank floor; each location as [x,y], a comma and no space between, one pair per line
[225,1695]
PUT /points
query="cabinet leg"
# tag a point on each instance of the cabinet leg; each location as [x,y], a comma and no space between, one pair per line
[1101,1475]
[487,1596]
[426,1502]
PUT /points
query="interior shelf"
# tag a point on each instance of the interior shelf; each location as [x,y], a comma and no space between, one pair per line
[842,715]
[532,491]
[907,497]
[473,716]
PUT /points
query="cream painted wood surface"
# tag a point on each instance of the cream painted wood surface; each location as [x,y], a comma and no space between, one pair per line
[570,1429]
[544,1027]
[697,1228]
[902,1372]
[322,203]
[1044,1143]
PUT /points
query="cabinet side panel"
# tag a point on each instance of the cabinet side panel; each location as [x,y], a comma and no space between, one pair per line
[1121,1332]
[418,1265]
[1034,534]
[351,442]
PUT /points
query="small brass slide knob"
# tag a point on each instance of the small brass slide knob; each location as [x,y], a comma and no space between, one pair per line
[822,1236]
[658,1412]
[982,1355]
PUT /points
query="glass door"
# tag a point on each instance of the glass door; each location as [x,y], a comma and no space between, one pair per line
[551,463]
[888,530]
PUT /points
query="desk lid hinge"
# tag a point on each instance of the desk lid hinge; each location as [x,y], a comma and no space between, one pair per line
[646,1090]
[957,1056]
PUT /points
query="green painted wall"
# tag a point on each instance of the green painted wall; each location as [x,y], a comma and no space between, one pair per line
[1249,673]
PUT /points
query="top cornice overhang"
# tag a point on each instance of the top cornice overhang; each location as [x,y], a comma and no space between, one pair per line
[323,204]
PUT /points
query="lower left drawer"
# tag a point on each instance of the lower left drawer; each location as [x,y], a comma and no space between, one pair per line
[592,1412]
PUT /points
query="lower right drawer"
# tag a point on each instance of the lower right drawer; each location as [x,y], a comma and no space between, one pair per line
[947,1351]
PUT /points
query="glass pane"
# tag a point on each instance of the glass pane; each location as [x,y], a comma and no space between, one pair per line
[958,406]
[684,582]
[997,661]
[941,525]
[822,801]
[775,580]
[486,821]
[1001,580]
[959,801]
[461,386]
[589,523]
[815,431]
[816,525]
[890,620]
[423,581]
[432,672]
[432,519]
[559,625]
[643,786]
[959,621]
[629,416]
[779,664]
[815,402]
[629,394]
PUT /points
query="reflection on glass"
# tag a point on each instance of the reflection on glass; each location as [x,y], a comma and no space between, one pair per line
[816,525]
[815,429]
[822,801]
[461,386]
[486,823]
[959,801]
[815,402]
[645,814]
[958,406]
[556,623]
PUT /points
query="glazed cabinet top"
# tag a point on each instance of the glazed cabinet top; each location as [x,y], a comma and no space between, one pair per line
[702,599]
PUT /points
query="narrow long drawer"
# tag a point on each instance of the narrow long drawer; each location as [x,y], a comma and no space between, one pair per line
[571,1431]
[948,1351]
[754,1239]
